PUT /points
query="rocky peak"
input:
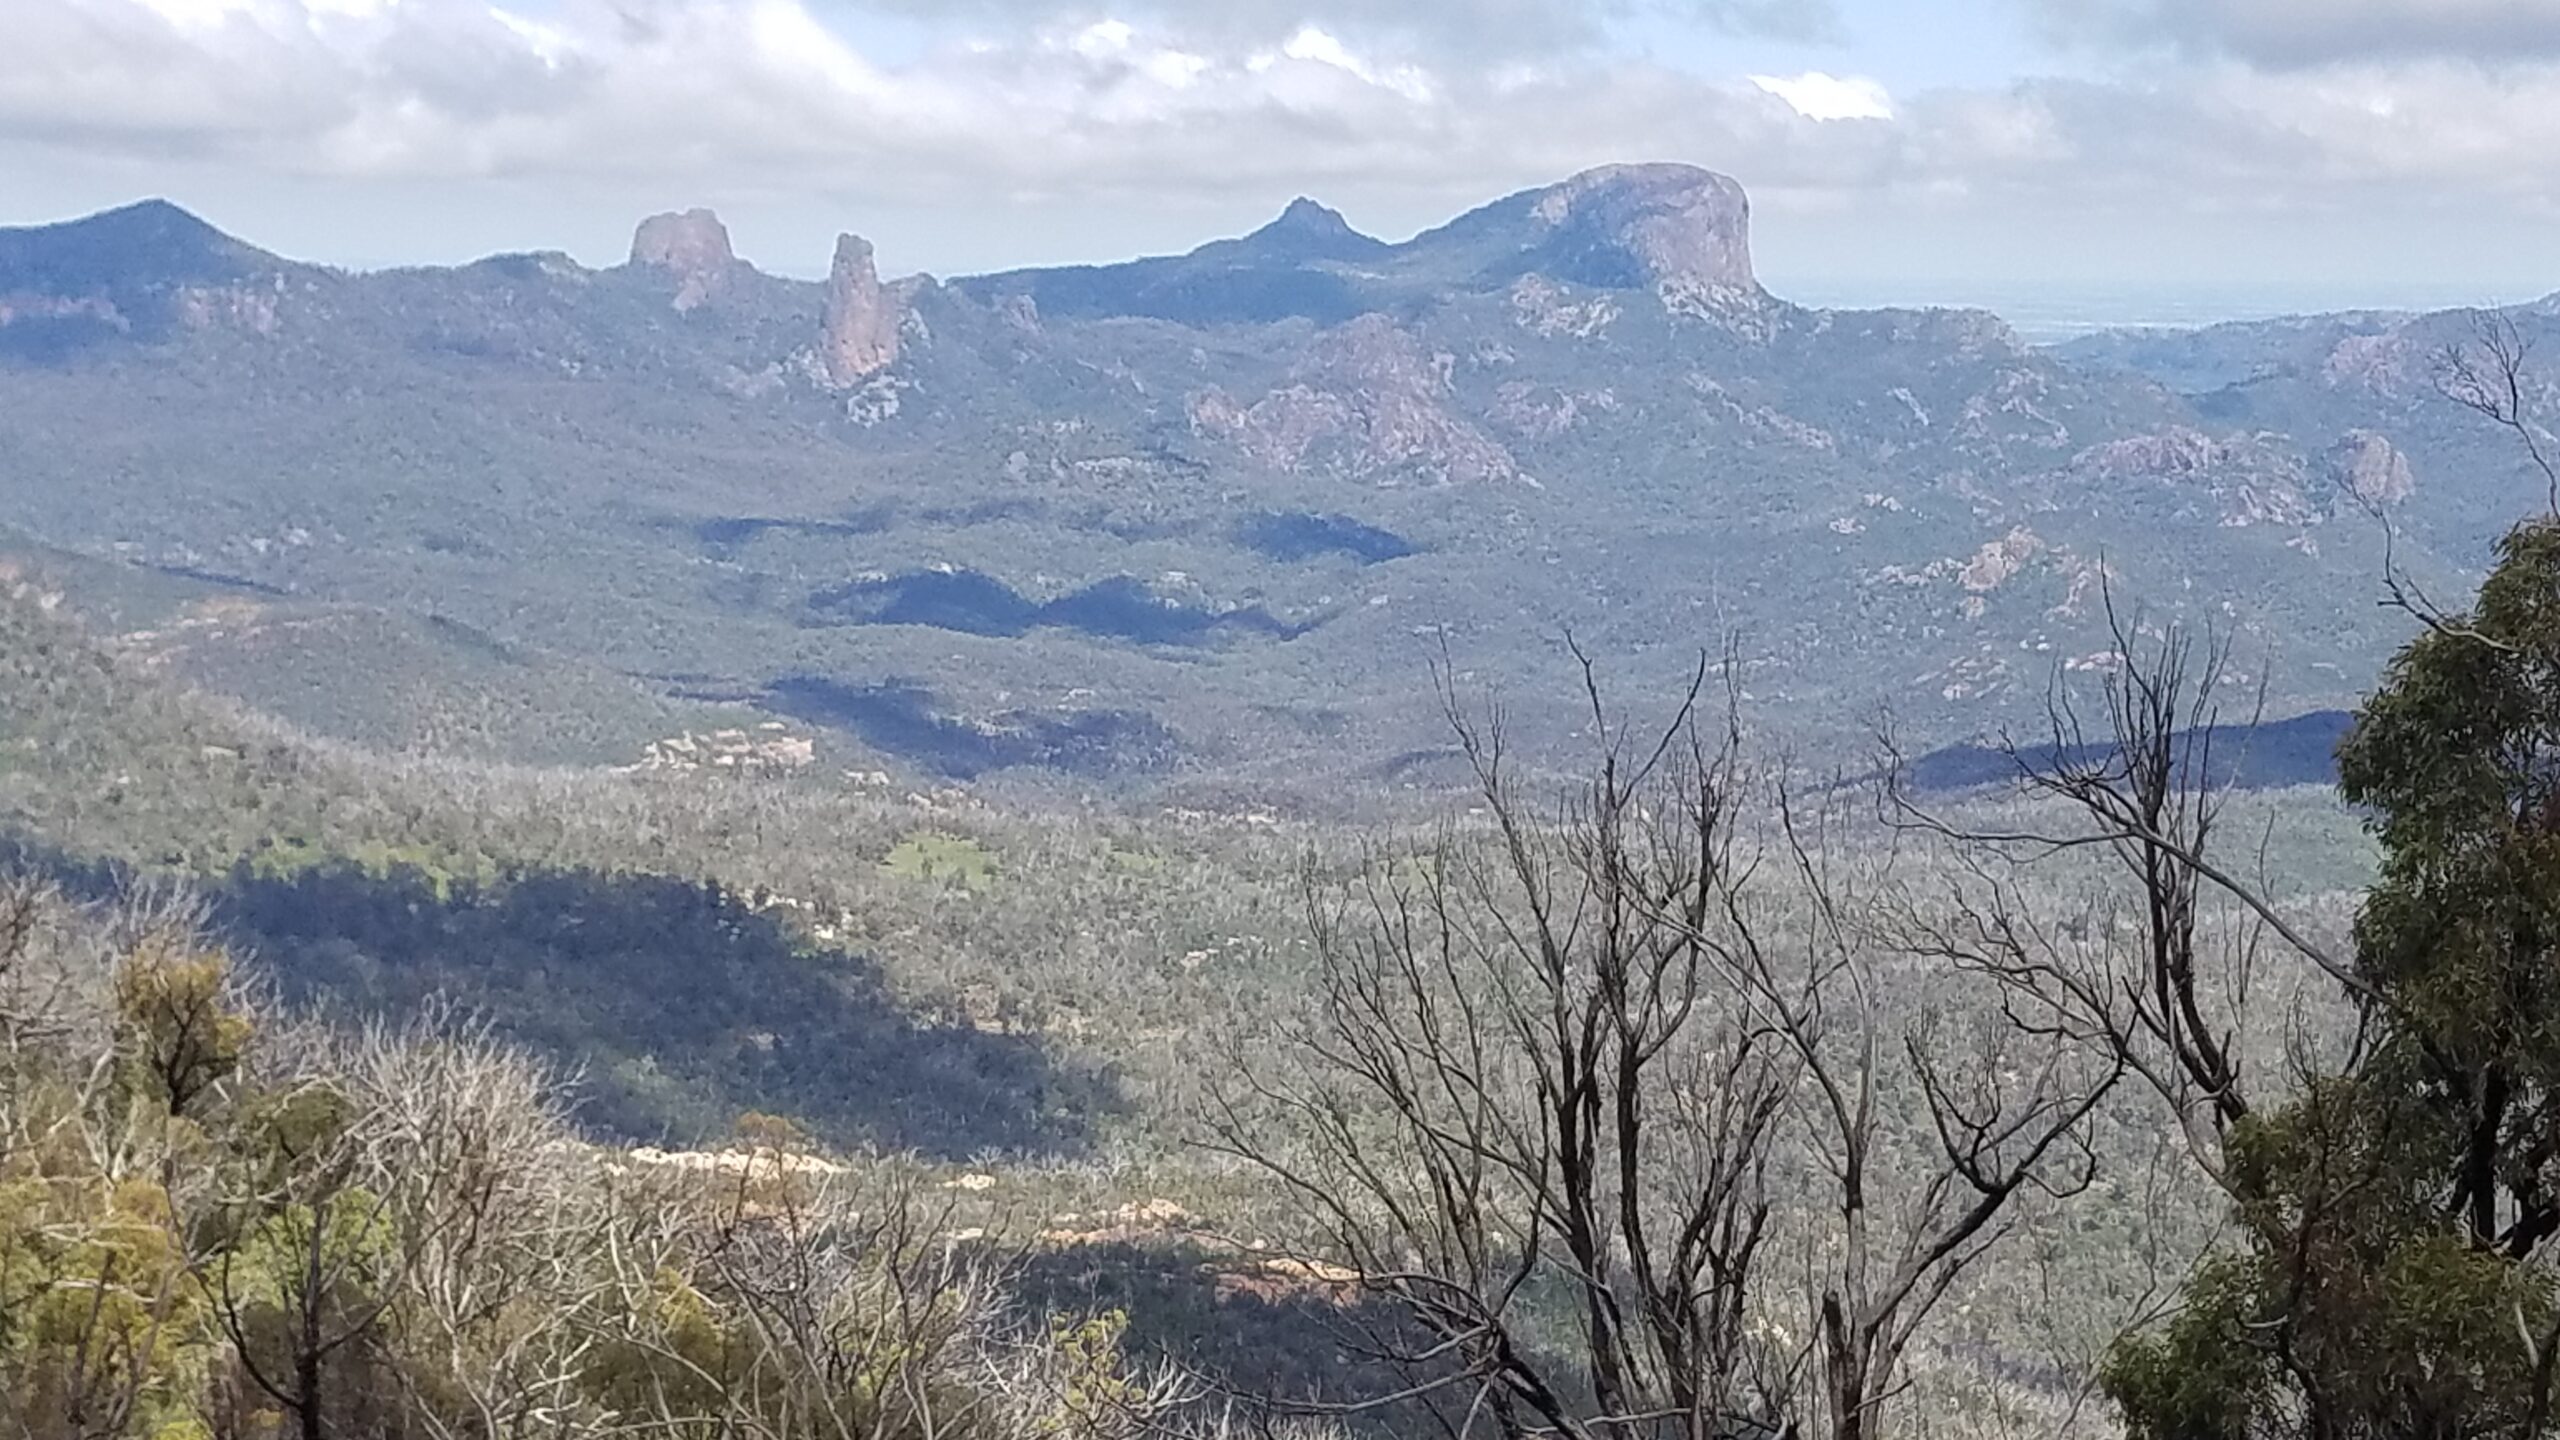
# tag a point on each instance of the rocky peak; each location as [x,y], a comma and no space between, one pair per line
[1308,231]
[859,338]
[1307,220]
[1308,214]
[1664,225]
[693,246]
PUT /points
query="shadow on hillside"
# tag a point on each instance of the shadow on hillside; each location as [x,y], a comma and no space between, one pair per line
[973,603]
[2302,750]
[1247,1333]
[904,720]
[725,533]
[1298,535]
[681,1007]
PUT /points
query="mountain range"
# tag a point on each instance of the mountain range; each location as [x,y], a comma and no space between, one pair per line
[1192,524]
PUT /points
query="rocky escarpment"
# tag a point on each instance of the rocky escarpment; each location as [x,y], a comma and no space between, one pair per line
[1675,227]
[692,246]
[859,332]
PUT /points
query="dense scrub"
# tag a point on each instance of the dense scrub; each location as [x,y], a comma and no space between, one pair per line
[216,1220]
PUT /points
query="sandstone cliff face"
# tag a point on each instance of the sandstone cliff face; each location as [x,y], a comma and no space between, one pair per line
[1672,226]
[859,334]
[693,246]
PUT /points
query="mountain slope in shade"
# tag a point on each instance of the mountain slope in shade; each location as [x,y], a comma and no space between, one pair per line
[1296,464]
[150,242]
[140,271]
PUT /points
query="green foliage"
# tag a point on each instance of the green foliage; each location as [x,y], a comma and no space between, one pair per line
[2196,1378]
[692,949]
[1096,1389]
[950,859]
[96,1294]
[2394,1215]
[288,857]
[186,1036]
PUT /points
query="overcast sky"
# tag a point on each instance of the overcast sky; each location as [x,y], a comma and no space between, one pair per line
[2367,146]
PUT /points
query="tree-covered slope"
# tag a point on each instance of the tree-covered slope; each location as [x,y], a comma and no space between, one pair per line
[981,531]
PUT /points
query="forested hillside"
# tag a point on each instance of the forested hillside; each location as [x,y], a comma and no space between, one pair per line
[1195,525]
[1038,1020]
[696,943]
[1503,834]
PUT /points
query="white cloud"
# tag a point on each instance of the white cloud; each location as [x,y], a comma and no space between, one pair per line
[699,97]
[1427,31]
[1316,46]
[1817,96]
[2284,34]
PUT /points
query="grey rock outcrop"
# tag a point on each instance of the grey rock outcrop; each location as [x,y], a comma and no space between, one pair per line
[2367,466]
[1675,226]
[691,245]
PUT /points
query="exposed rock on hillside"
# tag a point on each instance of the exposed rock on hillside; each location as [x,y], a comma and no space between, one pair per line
[2256,480]
[2369,467]
[860,335]
[1541,305]
[693,246]
[142,271]
[1370,402]
[22,307]
[1999,560]
[769,750]
[1671,226]
[249,307]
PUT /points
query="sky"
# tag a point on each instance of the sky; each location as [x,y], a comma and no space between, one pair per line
[2366,150]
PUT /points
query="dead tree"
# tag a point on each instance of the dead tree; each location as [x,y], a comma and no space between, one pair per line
[334,1217]
[2157,971]
[499,1296]
[1528,1084]
[1558,1060]
[2491,376]
[1907,1214]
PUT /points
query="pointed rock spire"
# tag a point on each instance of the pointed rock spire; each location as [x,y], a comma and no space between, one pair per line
[859,338]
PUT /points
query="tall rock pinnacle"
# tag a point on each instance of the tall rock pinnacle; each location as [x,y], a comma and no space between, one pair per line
[860,335]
